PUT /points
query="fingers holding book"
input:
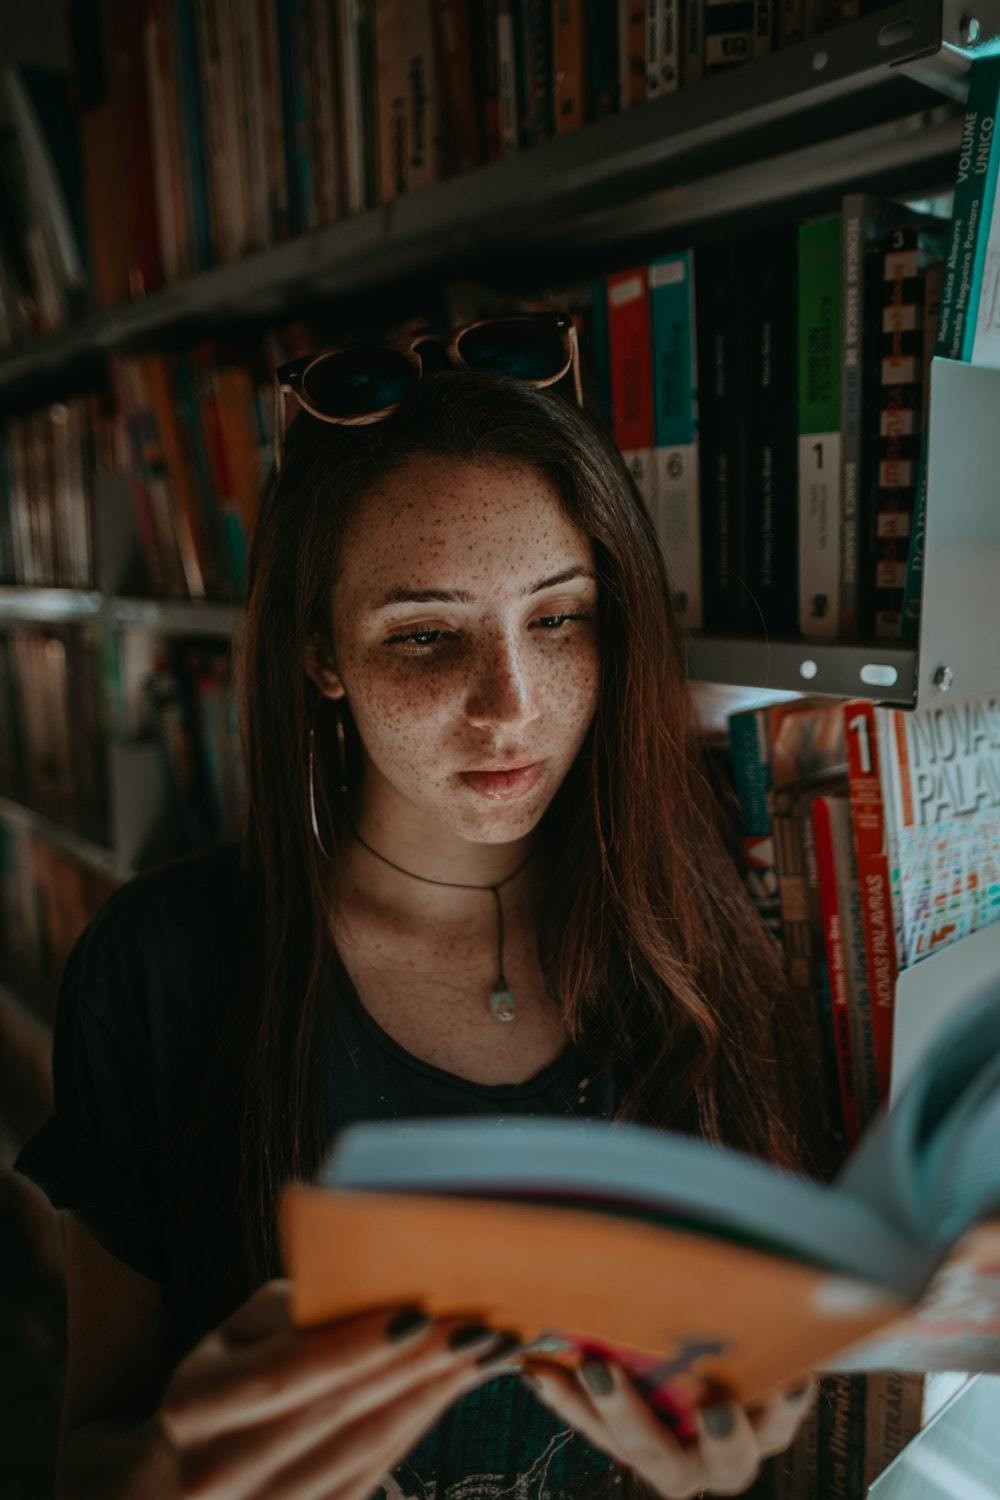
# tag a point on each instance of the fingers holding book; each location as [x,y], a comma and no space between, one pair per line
[729,1444]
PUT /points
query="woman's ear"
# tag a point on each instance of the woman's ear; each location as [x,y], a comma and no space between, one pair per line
[321,668]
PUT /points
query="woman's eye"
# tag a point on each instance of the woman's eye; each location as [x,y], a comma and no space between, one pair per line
[426,640]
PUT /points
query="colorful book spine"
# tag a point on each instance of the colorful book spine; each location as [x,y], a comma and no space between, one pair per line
[909,627]
[819,427]
[845,858]
[900,404]
[868,820]
[631,356]
[675,411]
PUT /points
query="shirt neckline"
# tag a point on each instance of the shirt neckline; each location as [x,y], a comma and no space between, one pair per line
[533,1085]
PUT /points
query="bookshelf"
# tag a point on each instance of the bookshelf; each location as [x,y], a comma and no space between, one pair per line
[874,105]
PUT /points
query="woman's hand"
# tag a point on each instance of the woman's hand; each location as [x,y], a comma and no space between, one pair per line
[731,1441]
[260,1407]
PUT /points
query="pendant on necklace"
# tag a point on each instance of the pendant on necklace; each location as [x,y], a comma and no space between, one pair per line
[502,1003]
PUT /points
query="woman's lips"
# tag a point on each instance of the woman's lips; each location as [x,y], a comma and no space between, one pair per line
[504,784]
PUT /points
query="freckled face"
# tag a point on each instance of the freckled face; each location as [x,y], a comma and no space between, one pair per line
[503,673]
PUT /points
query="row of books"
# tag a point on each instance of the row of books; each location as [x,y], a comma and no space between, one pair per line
[192,134]
[48,459]
[52,723]
[46,899]
[769,392]
[133,742]
[871,840]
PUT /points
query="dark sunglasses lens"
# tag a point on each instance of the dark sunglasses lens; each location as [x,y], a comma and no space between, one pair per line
[514,346]
[354,382]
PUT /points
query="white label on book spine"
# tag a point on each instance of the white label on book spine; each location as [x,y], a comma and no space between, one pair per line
[905,370]
[819,533]
[640,464]
[679,528]
[620,292]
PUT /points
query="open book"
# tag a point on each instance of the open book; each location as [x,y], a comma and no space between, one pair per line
[691,1264]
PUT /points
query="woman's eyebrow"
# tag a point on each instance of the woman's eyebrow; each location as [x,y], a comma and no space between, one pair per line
[462,596]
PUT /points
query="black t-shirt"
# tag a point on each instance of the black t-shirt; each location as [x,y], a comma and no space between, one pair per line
[140,991]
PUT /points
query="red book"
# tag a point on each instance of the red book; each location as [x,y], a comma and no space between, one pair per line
[874,877]
[631,359]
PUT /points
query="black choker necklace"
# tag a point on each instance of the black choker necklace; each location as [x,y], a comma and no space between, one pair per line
[501,998]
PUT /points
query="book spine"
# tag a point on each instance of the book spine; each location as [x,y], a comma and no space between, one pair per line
[192,134]
[729,34]
[768,271]
[893,1407]
[164,142]
[324,119]
[195,554]
[852,398]
[841,1447]
[899,425]
[423,96]
[507,96]
[909,627]
[463,137]
[750,757]
[721,436]
[791,22]
[834,943]
[662,47]
[693,43]
[630,347]
[975,176]
[675,408]
[486,69]
[601,58]
[852,926]
[601,346]
[763,27]
[141,506]
[570,80]
[868,820]
[353,160]
[631,52]
[146,268]
[534,31]
[819,428]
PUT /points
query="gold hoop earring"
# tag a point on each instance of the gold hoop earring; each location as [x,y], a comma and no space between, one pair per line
[312,792]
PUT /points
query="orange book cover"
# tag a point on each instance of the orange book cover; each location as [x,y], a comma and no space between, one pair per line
[695,1265]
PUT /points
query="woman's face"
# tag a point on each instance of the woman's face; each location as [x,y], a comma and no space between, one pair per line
[465,640]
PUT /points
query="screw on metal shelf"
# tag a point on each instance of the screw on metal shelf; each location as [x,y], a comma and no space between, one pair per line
[969,31]
[943,678]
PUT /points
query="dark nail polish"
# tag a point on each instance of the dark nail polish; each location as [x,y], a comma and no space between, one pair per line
[407,1320]
[719,1421]
[507,1343]
[468,1333]
[597,1377]
[797,1391]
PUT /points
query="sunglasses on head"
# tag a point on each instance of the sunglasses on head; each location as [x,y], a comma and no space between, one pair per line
[354,384]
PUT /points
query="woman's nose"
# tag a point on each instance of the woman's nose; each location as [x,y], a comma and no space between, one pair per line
[502,689]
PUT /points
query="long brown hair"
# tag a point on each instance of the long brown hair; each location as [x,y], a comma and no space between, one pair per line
[650,939]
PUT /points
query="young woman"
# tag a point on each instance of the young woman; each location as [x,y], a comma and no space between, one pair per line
[482,871]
